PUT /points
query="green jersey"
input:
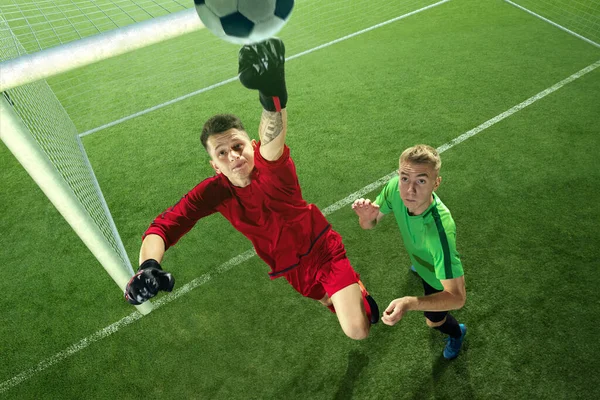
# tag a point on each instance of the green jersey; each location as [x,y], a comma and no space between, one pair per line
[429,238]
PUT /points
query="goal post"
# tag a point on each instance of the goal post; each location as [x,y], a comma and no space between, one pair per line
[37,130]
[23,146]
[66,57]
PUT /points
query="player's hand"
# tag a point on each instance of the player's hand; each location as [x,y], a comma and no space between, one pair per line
[365,210]
[146,283]
[395,311]
[262,67]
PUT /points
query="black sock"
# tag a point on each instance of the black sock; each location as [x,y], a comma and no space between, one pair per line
[450,327]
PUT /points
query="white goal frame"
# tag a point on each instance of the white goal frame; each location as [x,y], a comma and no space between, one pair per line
[19,141]
[43,64]
[66,57]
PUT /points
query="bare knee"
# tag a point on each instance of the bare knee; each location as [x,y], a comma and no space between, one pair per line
[432,324]
[348,303]
[357,331]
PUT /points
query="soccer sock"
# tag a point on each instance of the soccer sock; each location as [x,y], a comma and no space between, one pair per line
[367,305]
[450,327]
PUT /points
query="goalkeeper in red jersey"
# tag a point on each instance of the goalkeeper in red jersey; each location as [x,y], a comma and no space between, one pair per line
[256,188]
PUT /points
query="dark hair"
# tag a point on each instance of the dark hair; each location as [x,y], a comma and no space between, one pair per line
[218,124]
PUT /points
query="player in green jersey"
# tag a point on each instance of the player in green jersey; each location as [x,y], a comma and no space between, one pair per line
[429,235]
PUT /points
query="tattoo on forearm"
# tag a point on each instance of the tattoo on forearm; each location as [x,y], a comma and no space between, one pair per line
[271,126]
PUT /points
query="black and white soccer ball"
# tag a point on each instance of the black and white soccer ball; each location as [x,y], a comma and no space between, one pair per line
[244,21]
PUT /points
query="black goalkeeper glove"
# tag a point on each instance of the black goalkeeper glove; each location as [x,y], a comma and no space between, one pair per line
[261,67]
[149,279]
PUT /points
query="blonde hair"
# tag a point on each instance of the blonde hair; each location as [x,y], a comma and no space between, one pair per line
[422,154]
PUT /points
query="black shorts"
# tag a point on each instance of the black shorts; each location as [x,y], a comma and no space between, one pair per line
[433,316]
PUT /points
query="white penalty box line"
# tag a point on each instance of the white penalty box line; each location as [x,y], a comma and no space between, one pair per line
[134,316]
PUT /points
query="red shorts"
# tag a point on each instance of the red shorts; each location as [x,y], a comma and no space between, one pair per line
[325,270]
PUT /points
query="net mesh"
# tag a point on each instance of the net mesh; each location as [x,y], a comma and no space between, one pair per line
[53,130]
[42,24]
[579,16]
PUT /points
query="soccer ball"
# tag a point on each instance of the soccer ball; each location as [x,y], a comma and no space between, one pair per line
[244,21]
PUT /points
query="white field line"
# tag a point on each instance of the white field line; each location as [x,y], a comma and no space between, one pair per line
[554,23]
[134,316]
[235,78]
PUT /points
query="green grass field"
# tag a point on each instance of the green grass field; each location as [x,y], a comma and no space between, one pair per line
[523,193]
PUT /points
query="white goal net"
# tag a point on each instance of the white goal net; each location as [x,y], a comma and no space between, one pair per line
[580,17]
[43,24]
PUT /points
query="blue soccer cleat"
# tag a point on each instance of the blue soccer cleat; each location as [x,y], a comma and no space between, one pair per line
[413,269]
[453,345]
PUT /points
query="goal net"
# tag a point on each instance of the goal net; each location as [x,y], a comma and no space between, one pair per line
[578,17]
[38,131]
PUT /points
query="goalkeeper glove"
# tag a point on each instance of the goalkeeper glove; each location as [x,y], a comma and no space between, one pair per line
[146,283]
[261,67]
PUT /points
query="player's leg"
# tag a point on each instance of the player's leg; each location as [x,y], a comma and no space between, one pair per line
[355,309]
[368,301]
[444,322]
[351,312]
[347,300]
[433,324]
[327,276]
[448,325]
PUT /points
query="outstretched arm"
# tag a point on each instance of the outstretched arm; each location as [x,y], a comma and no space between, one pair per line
[150,278]
[153,247]
[272,131]
[261,67]
[165,231]
[451,298]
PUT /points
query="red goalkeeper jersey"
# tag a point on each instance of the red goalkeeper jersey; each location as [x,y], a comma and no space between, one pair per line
[270,212]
